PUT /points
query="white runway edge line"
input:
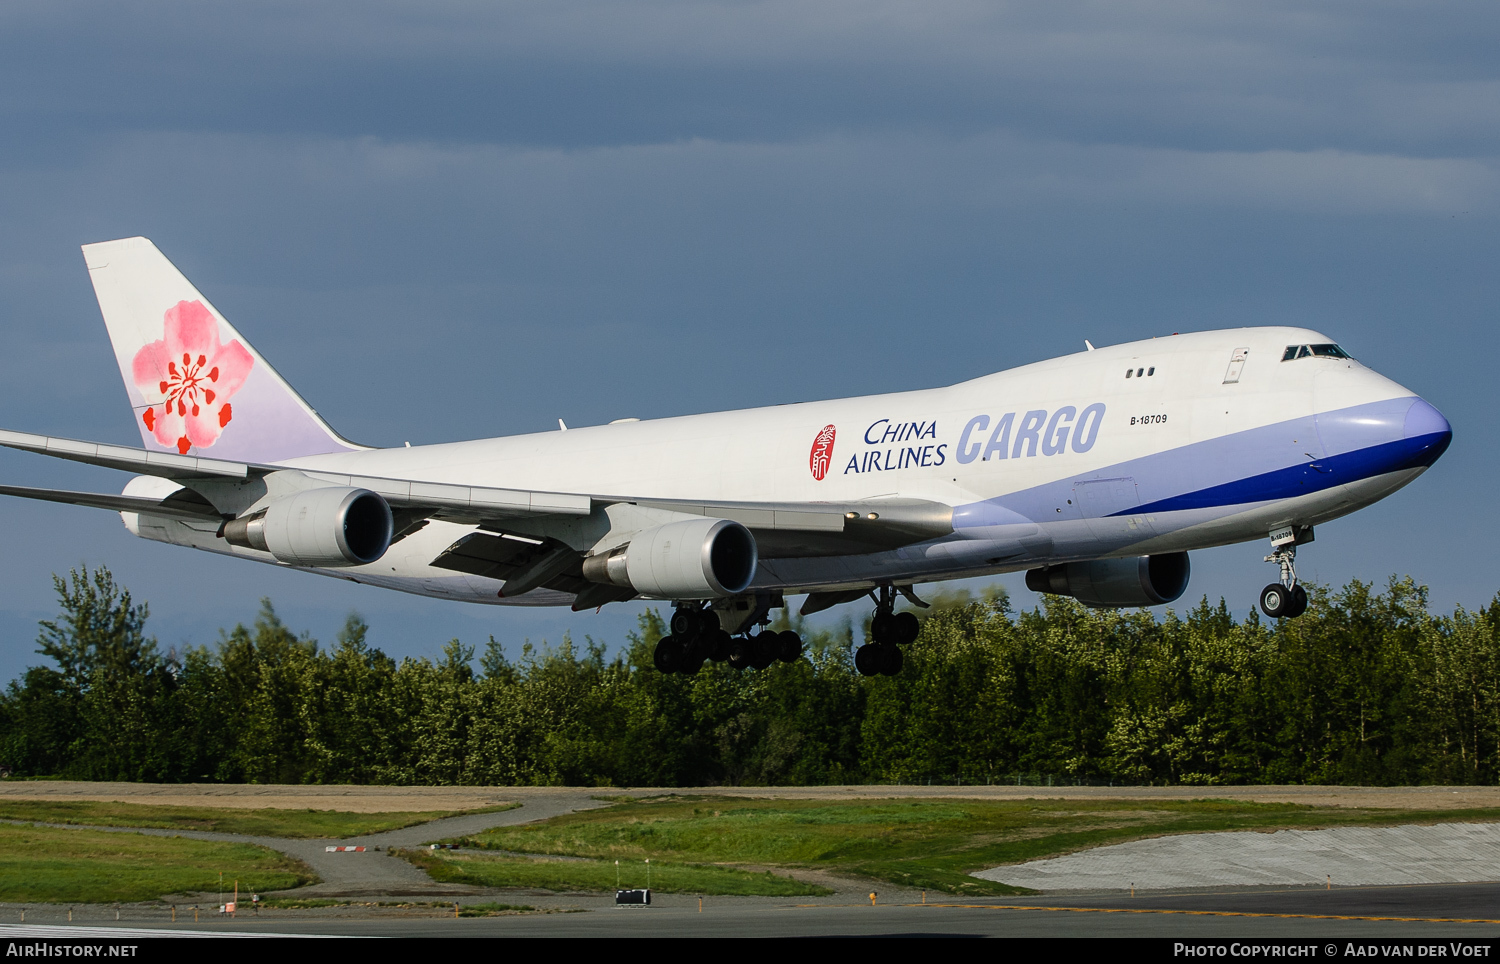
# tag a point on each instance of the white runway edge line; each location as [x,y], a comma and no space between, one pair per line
[1350,856]
[84,934]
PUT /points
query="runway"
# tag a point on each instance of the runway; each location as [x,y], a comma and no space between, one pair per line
[1453,911]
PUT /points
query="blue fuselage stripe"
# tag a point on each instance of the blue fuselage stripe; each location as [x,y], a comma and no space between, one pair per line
[1309,477]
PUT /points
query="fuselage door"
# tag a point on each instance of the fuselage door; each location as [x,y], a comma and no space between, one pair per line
[1236,365]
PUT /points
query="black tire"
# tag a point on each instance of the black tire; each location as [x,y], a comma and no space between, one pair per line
[684,622]
[739,652]
[668,655]
[1299,602]
[1276,601]
[891,660]
[907,628]
[883,628]
[867,660]
[708,622]
[791,646]
[720,645]
[764,648]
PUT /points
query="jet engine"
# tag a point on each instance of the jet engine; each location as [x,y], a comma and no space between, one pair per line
[691,559]
[1111,583]
[335,526]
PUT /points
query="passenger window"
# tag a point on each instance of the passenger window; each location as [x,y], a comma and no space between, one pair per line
[1130,373]
[1150,372]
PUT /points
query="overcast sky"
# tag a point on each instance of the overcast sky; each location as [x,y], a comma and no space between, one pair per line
[455,220]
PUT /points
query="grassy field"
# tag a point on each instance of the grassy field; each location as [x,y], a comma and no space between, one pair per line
[487,870]
[932,844]
[298,824]
[47,864]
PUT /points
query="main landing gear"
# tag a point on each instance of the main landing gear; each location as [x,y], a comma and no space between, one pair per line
[889,631]
[697,637]
[1285,599]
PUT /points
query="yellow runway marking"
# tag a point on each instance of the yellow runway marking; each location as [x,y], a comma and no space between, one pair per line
[1191,913]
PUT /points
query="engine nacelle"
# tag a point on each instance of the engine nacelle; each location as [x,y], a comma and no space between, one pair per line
[691,559]
[335,526]
[1113,583]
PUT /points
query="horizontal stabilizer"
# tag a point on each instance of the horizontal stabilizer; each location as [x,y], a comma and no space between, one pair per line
[161,464]
[179,505]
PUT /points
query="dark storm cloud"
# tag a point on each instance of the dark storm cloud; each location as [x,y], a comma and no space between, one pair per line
[1360,76]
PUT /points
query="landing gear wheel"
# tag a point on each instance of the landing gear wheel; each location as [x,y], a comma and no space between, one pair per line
[719,644]
[1276,601]
[891,660]
[906,628]
[1298,602]
[791,647]
[883,627]
[739,652]
[764,648]
[867,659]
[684,622]
[668,655]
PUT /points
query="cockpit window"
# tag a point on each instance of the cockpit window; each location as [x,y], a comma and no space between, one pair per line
[1321,351]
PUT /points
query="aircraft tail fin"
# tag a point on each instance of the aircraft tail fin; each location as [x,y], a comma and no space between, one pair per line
[195,385]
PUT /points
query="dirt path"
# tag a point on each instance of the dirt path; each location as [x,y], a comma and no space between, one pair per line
[371,873]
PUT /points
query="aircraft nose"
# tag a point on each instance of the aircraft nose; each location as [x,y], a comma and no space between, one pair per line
[1429,430]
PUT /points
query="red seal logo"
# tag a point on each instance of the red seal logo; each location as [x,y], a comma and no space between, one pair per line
[822,453]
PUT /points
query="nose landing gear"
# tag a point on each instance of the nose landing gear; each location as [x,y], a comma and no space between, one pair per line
[1285,599]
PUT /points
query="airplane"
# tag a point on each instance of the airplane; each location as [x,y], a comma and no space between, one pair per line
[1096,472]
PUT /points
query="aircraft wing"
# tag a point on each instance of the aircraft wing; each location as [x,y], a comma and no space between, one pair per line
[456,502]
[791,529]
[782,529]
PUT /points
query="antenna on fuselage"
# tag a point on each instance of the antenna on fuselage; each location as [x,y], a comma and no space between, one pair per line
[1088,344]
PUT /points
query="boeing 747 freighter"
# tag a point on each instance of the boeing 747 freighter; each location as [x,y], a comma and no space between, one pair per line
[1096,472]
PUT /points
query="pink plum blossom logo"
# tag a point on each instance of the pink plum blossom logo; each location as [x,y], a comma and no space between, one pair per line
[194,375]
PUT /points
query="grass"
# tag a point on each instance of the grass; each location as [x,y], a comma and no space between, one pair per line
[493,910]
[266,823]
[933,844]
[494,870]
[51,865]
[466,910]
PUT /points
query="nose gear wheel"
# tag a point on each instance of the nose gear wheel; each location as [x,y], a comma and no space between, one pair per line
[1284,599]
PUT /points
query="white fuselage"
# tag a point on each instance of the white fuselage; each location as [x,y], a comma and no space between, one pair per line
[1216,440]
